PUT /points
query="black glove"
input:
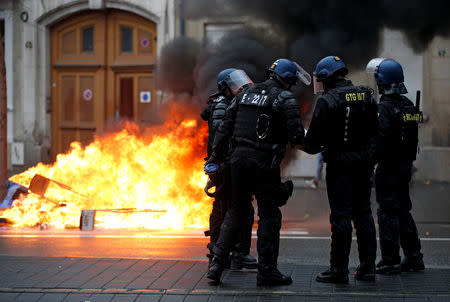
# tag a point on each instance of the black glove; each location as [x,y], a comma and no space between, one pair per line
[286,189]
[213,159]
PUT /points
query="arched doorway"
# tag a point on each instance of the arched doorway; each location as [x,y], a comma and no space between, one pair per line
[101,69]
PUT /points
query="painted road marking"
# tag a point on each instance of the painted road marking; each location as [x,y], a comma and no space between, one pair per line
[284,235]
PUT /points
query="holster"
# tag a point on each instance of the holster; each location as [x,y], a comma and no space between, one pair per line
[285,191]
[279,153]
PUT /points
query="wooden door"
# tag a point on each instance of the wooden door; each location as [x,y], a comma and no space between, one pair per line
[102,64]
[78,47]
[132,57]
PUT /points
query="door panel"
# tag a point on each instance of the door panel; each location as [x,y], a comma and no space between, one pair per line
[86,136]
[126,97]
[66,137]
[145,98]
[68,87]
[135,94]
[87,97]
[132,39]
[78,116]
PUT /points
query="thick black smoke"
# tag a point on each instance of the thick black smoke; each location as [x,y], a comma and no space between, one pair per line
[247,49]
[174,71]
[420,20]
[347,28]
[304,31]
[186,67]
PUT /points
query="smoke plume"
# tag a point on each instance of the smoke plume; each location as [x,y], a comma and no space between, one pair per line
[176,65]
[245,49]
[351,29]
[304,31]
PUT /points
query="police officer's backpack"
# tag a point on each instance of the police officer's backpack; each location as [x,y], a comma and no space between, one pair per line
[352,117]
[408,118]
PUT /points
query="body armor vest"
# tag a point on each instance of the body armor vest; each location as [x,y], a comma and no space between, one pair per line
[350,110]
[257,123]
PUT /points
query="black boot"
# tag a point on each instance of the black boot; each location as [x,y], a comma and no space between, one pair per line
[210,255]
[333,275]
[240,261]
[413,263]
[271,276]
[216,269]
[365,272]
[388,268]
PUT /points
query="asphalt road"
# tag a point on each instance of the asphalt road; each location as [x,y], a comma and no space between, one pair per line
[304,237]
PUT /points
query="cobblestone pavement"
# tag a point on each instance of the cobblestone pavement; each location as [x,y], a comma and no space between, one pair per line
[106,279]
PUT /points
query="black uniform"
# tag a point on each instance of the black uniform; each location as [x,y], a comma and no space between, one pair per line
[261,121]
[396,150]
[214,114]
[344,127]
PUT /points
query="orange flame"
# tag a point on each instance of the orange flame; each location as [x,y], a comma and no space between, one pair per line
[157,168]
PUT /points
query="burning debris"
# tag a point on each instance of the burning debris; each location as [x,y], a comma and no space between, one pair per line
[148,178]
[13,192]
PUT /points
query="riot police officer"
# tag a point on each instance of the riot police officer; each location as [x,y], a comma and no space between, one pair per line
[344,127]
[230,82]
[261,121]
[396,150]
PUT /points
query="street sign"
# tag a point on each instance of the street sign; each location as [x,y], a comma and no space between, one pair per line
[87,94]
[146,96]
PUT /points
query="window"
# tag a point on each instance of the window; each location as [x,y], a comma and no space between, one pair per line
[216,31]
[88,40]
[127,39]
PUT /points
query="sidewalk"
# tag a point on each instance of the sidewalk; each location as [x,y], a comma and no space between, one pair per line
[95,280]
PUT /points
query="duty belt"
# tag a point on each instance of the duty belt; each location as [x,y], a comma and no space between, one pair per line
[257,145]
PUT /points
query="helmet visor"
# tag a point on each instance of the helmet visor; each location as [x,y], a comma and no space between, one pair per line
[237,80]
[302,75]
[372,66]
[318,86]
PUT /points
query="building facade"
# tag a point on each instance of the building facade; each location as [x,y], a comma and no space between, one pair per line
[75,65]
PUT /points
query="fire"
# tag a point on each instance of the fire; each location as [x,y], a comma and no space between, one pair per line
[156,168]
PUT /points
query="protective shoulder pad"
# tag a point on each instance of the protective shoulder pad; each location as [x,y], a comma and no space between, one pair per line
[221,106]
[407,101]
[218,99]
[331,97]
[257,88]
[366,89]
[286,94]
